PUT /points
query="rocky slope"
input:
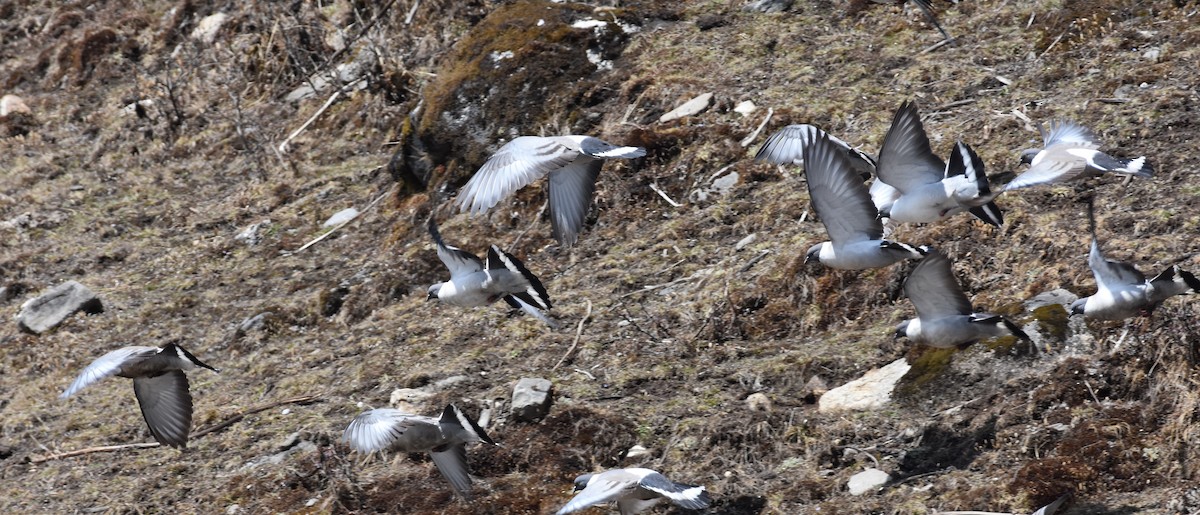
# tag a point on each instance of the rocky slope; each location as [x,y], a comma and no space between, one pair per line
[177,157]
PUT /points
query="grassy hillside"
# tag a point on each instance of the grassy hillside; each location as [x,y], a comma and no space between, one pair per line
[152,143]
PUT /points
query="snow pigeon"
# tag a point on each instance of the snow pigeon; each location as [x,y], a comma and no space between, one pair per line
[635,490]
[159,384]
[1123,291]
[572,164]
[842,202]
[945,317]
[931,190]
[445,439]
[1070,152]
[474,283]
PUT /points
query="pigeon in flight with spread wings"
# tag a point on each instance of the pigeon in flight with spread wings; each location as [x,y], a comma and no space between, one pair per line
[1070,152]
[945,317]
[930,190]
[571,163]
[844,205]
[159,384]
[474,283]
[1122,291]
[635,490]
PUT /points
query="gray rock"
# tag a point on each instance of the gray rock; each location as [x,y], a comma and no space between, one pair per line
[1058,296]
[691,107]
[253,324]
[531,399]
[758,402]
[252,235]
[768,6]
[867,481]
[45,312]
[871,391]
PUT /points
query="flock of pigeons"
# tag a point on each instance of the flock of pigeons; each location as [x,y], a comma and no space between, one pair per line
[911,184]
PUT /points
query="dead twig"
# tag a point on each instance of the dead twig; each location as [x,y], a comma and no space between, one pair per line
[578,334]
[343,224]
[93,450]
[663,194]
[754,135]
[283,147]
[304,399]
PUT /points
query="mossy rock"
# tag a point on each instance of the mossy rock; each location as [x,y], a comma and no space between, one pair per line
[1052,320]
[927,363]
[524,66]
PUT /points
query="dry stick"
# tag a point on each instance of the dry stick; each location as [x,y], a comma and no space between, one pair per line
[1056,40]
[228,422]
[663,194]
[343,224]
[754,135]
[90,450]
[258,409]
[412,12]
[283,147]
[578,334]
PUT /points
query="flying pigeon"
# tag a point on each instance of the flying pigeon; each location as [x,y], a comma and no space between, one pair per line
[473,283]
[572,164]
[1071,153]
[930,190]
[842,202]
[1123,291]
[445,439]
[945,317]
[159,384]
[786,147]
[635,490]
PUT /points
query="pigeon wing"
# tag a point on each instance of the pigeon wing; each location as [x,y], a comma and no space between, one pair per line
[686,496]
[598,491]
[601,149]
[571,190]
[534,293]
[451,461]
[839,197]
[786,147]
[517,164]
[1113,275]
[460,262]
[376,429]
[906,161]
[108,365]
[166,405]
[933,289]
[1070,133]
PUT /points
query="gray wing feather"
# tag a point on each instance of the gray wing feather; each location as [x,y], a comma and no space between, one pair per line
[598,491]
[166,405]
[571,190]
[517,164]
[786,147]
[1112,275]
[458,261]
[1054,165]
[601,149]
[452,463]
[108,365]
[1062,131]
[687,496]
[933,289]
[906,161]
[375,430]
[838,195]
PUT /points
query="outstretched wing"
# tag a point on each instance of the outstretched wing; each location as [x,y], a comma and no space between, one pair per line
[517,164]
[838,195]
[376,429]
[934,290]
[108,365]
[686,496]
[460,262]
[906,161]
[167,406]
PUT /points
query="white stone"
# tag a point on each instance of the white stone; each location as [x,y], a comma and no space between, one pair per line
[10,104]
[758,402]
[252,234]
[206,30]
[637,451]
[867,481]
[531,399]
[341,217]
[870,391]
[741,244]
[691,107]
[745,108]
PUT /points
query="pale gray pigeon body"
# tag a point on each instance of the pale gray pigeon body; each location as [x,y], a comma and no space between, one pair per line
[572,164]
[474,283]
[930,190]
[444,438]
[1071,152]
[945,317]
[634,490]
[844,205]
[159,383]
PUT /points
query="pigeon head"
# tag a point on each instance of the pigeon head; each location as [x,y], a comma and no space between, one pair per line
[183,354]
[581,482]
[814,253]
[433,291]
[1028,154]
[1077,306]
[901,330]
